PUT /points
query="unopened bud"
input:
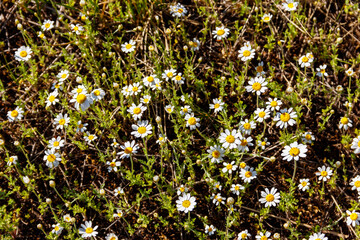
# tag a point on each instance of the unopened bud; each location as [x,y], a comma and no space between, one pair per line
[156,178]
[16,143]
[230,201]
[48,201]
[102,192]
[39,226]
[168,31]
[52,183]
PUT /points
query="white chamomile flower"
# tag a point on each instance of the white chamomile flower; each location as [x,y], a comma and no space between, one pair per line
[87,231]
[23,53]
[308,137]
[57,229]
[186,203]
[169,74]
[257,85]
[263,143]
[246,52]
[246,126]
[126,91]
[245,143]
[260,69]
[290,5]
[128,148]
[356,145]
[82,16]
[304,184]
[57,85]
[128,46]
[306,60]
[118,191]
[210,229]
[12,160]
[217,186]
[353,218]
[247,174]
[118,213]
[97,94]
[61,121]
[263,236]
[191,121]
[51,99]
[178,10]
[178,79]
[15,115]
[111,236]
[244,235]
[141,129]
[169,108]
[56,143]
[185,110]
[217,199]
[47,25]
[157,85]
[355,183]
[273,104]
[318,236]
[236,188]
[321,71]
[80,89]
[149,80]
[82,101]
[81,127]
[285,118]
[195,44]
[324,173]
[229,167]
[294,151]
[145,99]
[90,137]
[63,75]
[348,104]
[135,89]
[77,28]
[221,33]
[136,111]
[67,218]
[113,165]
[181,190]
[217,105]
[349,72]
[270,197]
[267,17]
[161,140]
[230,139]
[261,114]
[41,35]
[52,158]
[115,144]
[216,154]
[345,123]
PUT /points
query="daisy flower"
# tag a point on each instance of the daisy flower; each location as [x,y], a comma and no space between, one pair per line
[145,99]
[221,33]
[236,188]
[115,144]
[56,86]
[349,72]
[41,35]
[318,236]
[135,89]
[77,28]
[345,123]
[308,137]
[52,158]
[304,184]
[136,111]
[79,89]
[97,94]
[111,236]
[356,145]
[321,71]
[246,126]
[260,69]
[67,218]
[47,25]
[216,154]
[324,173]
[243,235]
[273,104]
[285,118]
[178,79]
[181,190]
[210,229]
[244,144]
[118,213]
[263,144]
[195,44]
[186,203]
[270,197]
[217,186]
[61,121]
[157,85]
[261,114]
[87,230]
[192,122]
[168,74]
[262,236]
[126,90]
[90,137]
[118,191]
[128,148]
[348,104]
[162,139]
[169,108]
[26,179]
[247,174]
[257,85]
[82,16]
[15,115]
[306,60]
[294,151]
[229,167]
[12,160]
[267,17]
[217,105]
[141,129]
[81,127]
[82,101]
[185,110]
[353,218]
[355,183]
[57,229]
[128,46]
[178,10]
[56,143]
[113,165]
[230,139]
[63,75]
[51,99]
[149,80]
[290,5]
[246,52]
[23,53]
[217,199]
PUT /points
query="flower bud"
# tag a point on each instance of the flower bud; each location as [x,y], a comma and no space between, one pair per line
[183,152]
[16,143]
[19,26]
[102,192]
[185,48]
[115,85]
[151,48]
[156,215]
[48,201]
[168,31]
[289,90]
[272,159]
[158,119]
[39,226]
[156,178]
[338,163]
[82,3]
[230,201]
[286,225]
[2,142]
[52,183]
[332,111]
[276,236]
[189,179]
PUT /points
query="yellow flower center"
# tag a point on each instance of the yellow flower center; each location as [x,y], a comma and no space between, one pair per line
[150,79]
[137,110]
[263,143]
[256,86]
[146,100]
[215,154]
[67,219]
[291,5]
[11,159]
[263,238]
[192,121]
[284,117]
[357,184]
[305,59]
[169,74]
[42,35]
[266,19]
[318,239]
[62,121]
[209,229]
[237,188]
[242,165]
[64,75]
[322,71]
[51,157]
[324,173]
[135,89]
[244,142]
[51,98]
[56,228]
[113,238]
[76,28]
[91,137]
[79,90]
[244,235]
[248,174]
[273,103]
[246,53]
[81,125]
[259,69]
[57,86]
[14,113]
[128,150]
[216,106]
[142,130]
[96,92]
[262,114]
[230,139]
[269,197]
[112,164]
[180,10]
[161,139]
[47,25]
[344,120]
[128,46]
[169,110]
[247,126]
[119,214]
[229,167]
[182,189]
[294,151]
[304,183]
[220,32]
[308,137]
[81,98]
[89,230]
[56,144]
[186,203]
[83,18]
[23,54]
[178,78]
[185,110]
[353,216]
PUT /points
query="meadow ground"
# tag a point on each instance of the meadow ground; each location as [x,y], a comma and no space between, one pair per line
[197,119]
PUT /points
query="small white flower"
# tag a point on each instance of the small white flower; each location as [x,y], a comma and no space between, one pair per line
[345,123]
[229,167]
[290,5]
[97,94]
[262,236]
[118,213]
[191,121]
[270,197]
[230,139]
[217,105]
[210,229]
[186,203]
[169,108]
[135,89]
[77,28]
[216,154]
[261,114]
[304,184]
[318,236]
[353,218]
[221,33]
[47,25]
[23,53]
[246,126]
[267,17]
[178,79]
[137,110]
[217,199]
[56,143]
[168,74]
[243,235]
[87,231]
[195,44]
[145,99]
[141,129]
[181,190]
[246,52]
[285,118]
[355,183]
[118,191]
[150,80]
[260,69]
[321,71]
[82,101]
[81,127]
[90,137]
[128,46]
[294,151]
[273,104]
[306,60]
[263,144]
[257,85]
[308,137]
[51,99]
[52,158]
[128,149]
[324,173]
[61,121]
[63,75]
[245,143]
[247,174]
[15,115]
[178,10]
[12,160]
[57,229]
[113,165]
[236,188]
[111,236]
[349,72]
[185,110]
